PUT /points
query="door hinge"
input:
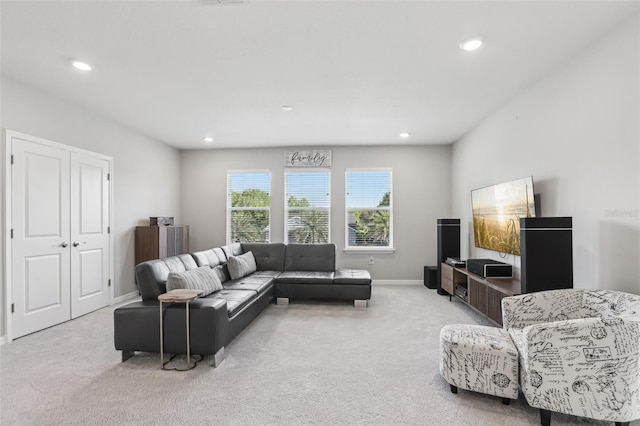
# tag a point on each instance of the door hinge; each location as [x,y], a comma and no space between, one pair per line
[11,232]
[109,282]
[11,158]
[13,308]
[108,176]
[108,229]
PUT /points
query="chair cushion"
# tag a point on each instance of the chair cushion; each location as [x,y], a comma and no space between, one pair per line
[480,359]
[202,278]
[242,265]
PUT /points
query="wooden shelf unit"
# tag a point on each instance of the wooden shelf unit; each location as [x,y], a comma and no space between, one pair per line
[484,295]
[157,242]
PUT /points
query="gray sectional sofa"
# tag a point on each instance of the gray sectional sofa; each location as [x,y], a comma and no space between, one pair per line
[282,272]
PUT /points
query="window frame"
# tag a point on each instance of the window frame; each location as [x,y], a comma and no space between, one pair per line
[347,209]
[290,170]
[230,208]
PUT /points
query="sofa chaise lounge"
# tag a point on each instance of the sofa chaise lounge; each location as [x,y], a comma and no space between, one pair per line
[277,272]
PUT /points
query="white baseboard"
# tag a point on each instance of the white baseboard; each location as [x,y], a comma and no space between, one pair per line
[125,298]
[3,340]
[397,282]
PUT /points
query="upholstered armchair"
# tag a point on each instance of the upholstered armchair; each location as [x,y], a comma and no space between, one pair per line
[579,352]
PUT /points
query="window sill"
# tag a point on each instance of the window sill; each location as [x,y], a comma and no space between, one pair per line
[369,250]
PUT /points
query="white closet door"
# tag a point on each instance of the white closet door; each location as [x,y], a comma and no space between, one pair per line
[89,233]
[60,250]
[41,236]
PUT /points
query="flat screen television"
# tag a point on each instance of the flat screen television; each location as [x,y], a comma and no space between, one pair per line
[497,210]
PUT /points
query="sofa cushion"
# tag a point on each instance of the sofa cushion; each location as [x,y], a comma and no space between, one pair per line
[310,257]
[222,272]
[252,282]
[203,278]
[305,277]
[222,257]
[175,263]
[208,258]
[267,274]
[351,276]
[242,265]
[233,249]
[269,256]
[236,299]
[151,276]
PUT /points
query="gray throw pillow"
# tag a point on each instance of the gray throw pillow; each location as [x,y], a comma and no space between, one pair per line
[242,265]
[203,278]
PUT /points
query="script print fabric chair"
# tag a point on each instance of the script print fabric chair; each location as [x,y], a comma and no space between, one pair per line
[579,352]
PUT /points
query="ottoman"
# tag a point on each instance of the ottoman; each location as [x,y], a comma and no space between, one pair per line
[480,359]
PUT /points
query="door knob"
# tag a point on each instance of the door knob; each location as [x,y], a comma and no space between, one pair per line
[76,244]
[64,244]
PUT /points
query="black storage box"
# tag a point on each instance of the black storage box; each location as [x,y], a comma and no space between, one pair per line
[489,268]
[431,276]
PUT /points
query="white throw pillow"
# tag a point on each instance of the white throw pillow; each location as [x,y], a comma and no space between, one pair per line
[242,265]
[203,278]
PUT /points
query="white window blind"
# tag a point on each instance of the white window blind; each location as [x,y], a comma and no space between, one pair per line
[248,206]
[307,206]
[369,209]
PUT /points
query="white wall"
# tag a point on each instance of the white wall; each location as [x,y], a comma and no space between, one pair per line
[420,196]
[577,133]
[146,175]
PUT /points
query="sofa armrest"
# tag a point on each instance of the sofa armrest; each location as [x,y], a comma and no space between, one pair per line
[587,367]
[137,326]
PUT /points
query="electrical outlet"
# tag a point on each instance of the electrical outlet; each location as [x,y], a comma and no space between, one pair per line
[371,260]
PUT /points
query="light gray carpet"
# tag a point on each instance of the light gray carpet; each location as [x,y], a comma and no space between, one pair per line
[307,363]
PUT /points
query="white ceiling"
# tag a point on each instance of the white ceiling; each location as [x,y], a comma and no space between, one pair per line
[356,72]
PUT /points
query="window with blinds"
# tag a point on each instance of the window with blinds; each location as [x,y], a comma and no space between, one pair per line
[248,206]
[307,206]
[369,209]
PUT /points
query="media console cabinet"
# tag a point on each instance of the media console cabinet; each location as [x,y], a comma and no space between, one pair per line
[482,294]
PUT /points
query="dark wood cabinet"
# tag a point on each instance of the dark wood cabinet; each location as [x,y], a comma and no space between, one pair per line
[446,281]
[477,295]
[157,242]
[452,279]
[482,294]
[494,305]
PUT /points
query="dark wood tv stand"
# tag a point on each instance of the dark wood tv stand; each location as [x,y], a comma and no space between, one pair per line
[484,295]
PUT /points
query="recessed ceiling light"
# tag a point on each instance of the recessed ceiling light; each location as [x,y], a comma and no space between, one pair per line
[471,44]
[208,139]
[82,65]
[287,108]
[405,135]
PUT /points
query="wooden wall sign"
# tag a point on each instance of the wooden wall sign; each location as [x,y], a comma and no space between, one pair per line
[307,158]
